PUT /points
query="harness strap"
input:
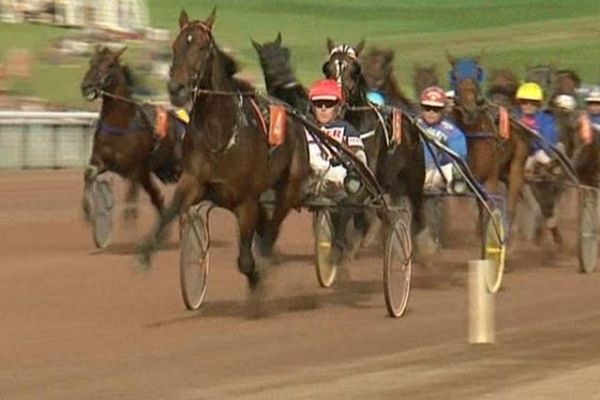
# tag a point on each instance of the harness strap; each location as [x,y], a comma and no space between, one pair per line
[116,131]
[261,119]
[368,134]
[480,135]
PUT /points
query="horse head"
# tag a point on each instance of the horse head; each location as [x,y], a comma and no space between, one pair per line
[567,82]
[502,87]
[377,67]
[275,61]
[543,75]
[424,77]
[104,73]
[193,49]
[466,78]
[344,66]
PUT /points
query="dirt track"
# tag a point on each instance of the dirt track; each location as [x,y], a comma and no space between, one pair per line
[83,324]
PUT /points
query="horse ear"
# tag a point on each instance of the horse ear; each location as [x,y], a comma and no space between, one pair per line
[211,18]
[119,53]
[359,47]
[278,39]
[183,19]
[330,45]
[388,55]
[450,58]
[256,45]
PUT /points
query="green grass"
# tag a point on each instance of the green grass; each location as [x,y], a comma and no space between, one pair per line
[509,33]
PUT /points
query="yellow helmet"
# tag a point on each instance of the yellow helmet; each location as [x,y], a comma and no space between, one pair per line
[530,91]
[183,115]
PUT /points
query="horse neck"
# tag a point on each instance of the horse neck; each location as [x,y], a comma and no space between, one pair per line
[215,79]
[116,109]
[395,95]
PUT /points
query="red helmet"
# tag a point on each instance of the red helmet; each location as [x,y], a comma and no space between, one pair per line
[326,89]
[434,96]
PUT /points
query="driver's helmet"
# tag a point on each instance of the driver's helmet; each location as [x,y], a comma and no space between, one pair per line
[565,102]
[434,96]
[593,95]
[326,89]
[530,91]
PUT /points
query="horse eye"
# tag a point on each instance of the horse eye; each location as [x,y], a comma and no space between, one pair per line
[189,38]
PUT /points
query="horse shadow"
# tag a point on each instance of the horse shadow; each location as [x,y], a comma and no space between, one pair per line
[353,294]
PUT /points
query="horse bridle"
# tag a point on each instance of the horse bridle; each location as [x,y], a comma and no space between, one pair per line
[197,72]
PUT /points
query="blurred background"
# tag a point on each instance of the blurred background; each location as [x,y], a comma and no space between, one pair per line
[45,44]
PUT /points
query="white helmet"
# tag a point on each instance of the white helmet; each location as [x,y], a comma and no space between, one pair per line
[593,96]
[565,102]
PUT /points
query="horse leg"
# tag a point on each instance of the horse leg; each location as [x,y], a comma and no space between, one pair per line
[516,178]
[188,191]
[150,187]
[91,172]
[247,219]
[130,214]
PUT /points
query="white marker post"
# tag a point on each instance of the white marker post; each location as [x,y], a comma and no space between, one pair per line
[481,304]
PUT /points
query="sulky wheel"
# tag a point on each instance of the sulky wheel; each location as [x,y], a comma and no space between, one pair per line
[193,256]
[494,249]
[102,204]
[588,231]
[326,268]
[397,260]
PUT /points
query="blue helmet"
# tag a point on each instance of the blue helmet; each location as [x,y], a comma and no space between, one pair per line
[376,98]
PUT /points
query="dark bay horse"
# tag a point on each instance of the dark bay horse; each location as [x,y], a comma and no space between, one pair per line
[378,70]
[424,76]
[280,80]
[226,155]
[398,164]
[126,141]
[492,159]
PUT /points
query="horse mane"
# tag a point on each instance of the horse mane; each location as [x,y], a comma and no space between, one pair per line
[130,77]
[230,66]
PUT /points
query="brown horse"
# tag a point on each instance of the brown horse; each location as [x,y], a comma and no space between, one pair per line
[378,70]
[502,87]
[424,77]
[279,76]
[125,140]
[398,164]
[226,156]
[491,158]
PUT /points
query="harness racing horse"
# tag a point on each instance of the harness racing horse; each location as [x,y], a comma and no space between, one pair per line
[398,163]
[491,157]
[226,155]
[424,77]
[378,70]
[279,76]
[548,180]
[125,140]
[502,87]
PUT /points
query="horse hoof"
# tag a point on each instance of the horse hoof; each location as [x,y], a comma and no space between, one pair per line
[144,256]
[253,280]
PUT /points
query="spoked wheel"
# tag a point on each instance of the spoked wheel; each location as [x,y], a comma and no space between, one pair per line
[397,259]
[326,268]
[494,249]
[193,256]
[102,204]
[588,231]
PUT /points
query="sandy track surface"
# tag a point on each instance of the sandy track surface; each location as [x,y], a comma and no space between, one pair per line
[78,323]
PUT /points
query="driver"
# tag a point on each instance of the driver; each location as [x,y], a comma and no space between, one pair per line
[433,103]
[530,97]
[326,101]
